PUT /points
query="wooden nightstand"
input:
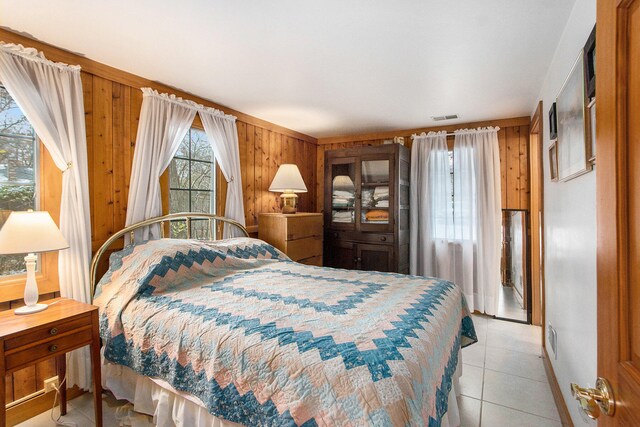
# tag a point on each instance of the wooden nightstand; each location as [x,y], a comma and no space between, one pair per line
[297,235]
[28,339]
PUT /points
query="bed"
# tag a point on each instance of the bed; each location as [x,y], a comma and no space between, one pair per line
[231,332]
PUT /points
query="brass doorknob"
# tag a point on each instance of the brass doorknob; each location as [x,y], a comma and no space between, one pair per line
[597,400]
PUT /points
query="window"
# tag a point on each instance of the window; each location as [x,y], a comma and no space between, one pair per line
[18,166]
[192,183]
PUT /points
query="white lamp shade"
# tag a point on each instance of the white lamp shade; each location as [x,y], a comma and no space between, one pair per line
[344,183]
[288,179]
[30,232]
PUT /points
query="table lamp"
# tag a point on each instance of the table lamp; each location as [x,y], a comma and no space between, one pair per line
[30,232]
[343,183]
[288,181]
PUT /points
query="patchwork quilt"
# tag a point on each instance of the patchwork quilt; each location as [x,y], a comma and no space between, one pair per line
[264,341]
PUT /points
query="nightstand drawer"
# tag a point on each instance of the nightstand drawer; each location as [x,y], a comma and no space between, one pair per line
[43,333]
[53,347]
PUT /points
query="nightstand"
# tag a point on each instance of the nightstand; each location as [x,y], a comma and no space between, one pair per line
[28,339]
[298,235]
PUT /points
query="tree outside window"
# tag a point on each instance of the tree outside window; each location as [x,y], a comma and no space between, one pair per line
[192,183]
[18,165]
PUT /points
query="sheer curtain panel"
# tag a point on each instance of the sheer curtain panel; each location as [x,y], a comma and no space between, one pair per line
[477,217]
[164,121]
[430,207]
[223,135]
[50,96]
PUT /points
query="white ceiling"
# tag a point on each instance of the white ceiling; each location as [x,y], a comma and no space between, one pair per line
[323,68]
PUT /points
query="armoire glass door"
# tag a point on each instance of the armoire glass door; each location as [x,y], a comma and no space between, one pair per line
[343,193]
[376,194]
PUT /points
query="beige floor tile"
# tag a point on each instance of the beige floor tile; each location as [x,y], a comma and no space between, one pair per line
[469,411]
[471,381]
[515,363]
[500,416]
[510,341]
[474,355]
[519,393]
[44,419]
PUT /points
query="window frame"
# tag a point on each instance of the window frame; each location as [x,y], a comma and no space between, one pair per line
[49,187]
[220,190]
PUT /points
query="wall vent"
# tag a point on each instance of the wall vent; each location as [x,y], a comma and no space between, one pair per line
[446,117]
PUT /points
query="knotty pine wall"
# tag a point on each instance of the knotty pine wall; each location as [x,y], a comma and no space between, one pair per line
[112,103]
[513,138]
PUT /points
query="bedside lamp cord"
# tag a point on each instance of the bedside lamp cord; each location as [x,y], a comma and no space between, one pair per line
[55,400]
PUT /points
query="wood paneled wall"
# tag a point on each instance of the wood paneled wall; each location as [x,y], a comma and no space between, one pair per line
[513,138]
[112,112]
[112,102]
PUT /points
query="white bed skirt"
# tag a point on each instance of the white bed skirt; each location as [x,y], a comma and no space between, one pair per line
[169,407]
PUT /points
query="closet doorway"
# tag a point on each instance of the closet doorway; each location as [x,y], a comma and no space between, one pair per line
[514,299]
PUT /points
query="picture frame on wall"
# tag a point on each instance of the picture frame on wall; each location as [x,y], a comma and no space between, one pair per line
[592,131]
[553,161]
[590,65]
[553,124]
[573,143]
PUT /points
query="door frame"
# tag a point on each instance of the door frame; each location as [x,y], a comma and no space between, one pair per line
[536,219]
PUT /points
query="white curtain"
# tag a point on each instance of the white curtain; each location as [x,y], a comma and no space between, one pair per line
[486,213]
[455,232]
[430,199]
[50,96]
[223,135]
[164,122]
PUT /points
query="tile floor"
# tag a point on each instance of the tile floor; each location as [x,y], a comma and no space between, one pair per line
[508,305]
[503,383]
[503,380]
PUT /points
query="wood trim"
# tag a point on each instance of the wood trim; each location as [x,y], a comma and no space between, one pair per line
[536,182]
[26,410]
[565,418]
[57,54]
[515,121]
[50,188]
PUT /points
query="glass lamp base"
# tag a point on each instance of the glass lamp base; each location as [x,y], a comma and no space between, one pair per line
[29,309]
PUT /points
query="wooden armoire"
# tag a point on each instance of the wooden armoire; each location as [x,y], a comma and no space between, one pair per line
[366,208]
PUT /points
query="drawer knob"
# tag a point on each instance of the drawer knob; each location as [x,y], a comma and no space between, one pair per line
[335,235]
[53,348]
[383,238]
[53,331]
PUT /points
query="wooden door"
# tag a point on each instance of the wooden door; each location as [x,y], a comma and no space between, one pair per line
[375,257]
[618,204]
[341,254]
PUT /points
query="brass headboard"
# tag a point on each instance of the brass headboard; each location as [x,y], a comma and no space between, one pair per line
[186,216]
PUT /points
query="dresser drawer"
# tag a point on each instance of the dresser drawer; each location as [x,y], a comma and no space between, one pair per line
[52,347]
[46,332]
[304,248]
[303,226]
[314,260]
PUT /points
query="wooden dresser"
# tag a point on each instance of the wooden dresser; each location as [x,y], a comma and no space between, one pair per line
[297,235]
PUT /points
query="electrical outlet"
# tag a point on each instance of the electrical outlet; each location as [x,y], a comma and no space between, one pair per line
[50,384]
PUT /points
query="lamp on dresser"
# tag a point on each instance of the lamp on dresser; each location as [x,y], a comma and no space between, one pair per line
[30,232]
[288,181]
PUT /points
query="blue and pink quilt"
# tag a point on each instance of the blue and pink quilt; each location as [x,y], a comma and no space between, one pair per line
[264,341]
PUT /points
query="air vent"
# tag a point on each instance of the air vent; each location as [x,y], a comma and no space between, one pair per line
[447,117]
